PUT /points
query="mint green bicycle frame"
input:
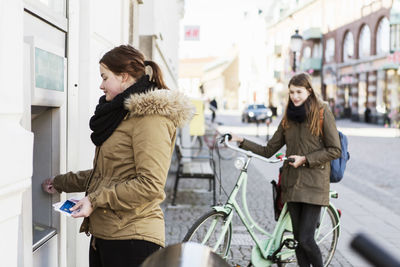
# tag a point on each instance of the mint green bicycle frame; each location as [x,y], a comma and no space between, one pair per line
[271,242]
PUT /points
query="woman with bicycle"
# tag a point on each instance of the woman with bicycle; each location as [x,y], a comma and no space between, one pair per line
[308,130]
[134,130]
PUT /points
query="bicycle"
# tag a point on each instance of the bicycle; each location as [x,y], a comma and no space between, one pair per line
[209,138]
[214,229]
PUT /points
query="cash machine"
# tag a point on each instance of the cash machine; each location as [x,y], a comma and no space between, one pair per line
[45,93]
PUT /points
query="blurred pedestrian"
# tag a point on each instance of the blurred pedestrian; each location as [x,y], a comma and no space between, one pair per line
[213,108]
[367,114]
[134,130]
[305,182]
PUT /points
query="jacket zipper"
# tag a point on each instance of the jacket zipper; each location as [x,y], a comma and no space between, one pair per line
[92,172]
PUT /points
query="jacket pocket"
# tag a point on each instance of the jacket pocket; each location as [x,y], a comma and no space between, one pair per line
[288,176]
[116,213]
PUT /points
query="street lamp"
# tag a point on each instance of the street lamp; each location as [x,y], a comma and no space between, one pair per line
[296,41]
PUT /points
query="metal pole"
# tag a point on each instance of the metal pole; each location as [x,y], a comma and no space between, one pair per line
[294,61]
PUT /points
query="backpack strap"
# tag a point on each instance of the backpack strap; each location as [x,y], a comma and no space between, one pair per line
[321,120]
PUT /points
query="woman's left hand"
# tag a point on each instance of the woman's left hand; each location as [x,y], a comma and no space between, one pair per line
[84,206]
[298,160]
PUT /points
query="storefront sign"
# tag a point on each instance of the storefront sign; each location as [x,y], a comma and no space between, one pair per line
[192,33]
[395,57]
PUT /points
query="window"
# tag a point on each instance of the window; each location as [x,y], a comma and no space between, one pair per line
[348,47]
[317,51]
[307,52]
[383,37]
[54,11]
[364,44]
[330,50]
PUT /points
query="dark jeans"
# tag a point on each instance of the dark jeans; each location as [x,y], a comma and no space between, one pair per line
[119,253]
[304,220]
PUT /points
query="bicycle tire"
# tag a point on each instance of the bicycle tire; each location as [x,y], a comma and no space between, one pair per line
[328,245]
[199,229]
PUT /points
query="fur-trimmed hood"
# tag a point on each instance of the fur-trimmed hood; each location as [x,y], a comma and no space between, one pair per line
[169,103]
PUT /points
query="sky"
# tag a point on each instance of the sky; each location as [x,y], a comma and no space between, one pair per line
[219,22]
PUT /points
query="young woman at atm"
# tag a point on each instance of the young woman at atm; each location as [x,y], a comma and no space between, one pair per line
[134,129]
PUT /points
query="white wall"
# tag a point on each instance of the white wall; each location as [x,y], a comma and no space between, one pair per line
[16,143]
[94,27]
[160,19]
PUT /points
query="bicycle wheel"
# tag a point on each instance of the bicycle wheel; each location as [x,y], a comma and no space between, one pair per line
[327,234]
[207,230]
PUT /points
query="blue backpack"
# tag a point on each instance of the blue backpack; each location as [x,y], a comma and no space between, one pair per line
[338,165]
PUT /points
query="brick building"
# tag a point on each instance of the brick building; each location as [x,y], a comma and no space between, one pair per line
[349,48]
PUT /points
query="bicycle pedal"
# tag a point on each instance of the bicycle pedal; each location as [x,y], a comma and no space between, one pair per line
[290,243]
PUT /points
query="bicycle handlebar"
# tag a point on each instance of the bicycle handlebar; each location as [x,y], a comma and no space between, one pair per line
[225,139]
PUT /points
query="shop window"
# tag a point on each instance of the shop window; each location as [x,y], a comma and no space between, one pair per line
[317,51]
[348,47]
[383,37]
[307,52]
[330,50]
[364,44]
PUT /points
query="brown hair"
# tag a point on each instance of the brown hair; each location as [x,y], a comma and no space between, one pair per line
[127,59]
[311,104]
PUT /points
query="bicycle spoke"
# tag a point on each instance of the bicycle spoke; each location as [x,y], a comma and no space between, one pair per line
[210,231]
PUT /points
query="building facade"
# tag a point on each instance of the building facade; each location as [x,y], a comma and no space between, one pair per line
[346,51]
[358,75]
[49,53]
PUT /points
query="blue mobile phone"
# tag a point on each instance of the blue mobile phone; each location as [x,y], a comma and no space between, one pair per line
[67,205]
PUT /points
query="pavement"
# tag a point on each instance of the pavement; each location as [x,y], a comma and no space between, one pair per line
[366,207]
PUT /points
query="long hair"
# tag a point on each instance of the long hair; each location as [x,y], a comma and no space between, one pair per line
[311,104]
[127,59]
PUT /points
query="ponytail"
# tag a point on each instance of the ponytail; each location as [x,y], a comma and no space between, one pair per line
[157,76]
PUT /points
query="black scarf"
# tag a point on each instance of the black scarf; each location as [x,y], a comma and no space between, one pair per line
[109,114]
[297,114]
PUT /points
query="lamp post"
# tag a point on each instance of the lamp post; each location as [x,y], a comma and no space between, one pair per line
[296,41]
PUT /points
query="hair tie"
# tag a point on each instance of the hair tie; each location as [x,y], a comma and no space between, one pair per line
[148,68]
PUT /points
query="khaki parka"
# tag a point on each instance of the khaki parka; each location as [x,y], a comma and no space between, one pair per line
[308,183]
[126,184]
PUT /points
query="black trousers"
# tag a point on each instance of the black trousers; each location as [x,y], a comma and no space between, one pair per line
[304,220]
[119,253]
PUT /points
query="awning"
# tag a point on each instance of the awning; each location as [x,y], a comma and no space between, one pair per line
[390,66]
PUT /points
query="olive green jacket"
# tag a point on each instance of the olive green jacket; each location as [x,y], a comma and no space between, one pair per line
[308,183]
[126,184]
